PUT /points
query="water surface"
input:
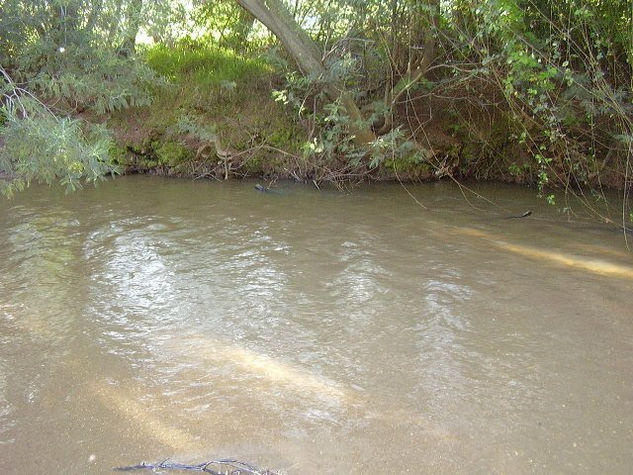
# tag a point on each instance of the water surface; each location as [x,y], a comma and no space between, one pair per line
[311,332]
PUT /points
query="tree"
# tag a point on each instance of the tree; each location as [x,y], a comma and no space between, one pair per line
[228,24]
[39,146]
[65,52]
[274,15]
[133,16]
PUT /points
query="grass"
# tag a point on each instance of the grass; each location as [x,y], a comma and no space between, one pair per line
[204,66]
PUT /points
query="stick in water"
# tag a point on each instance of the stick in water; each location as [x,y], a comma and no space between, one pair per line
[215,467]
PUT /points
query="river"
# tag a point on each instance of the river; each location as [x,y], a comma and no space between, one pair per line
[381,329]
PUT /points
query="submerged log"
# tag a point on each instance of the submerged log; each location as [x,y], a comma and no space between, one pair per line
[215,467]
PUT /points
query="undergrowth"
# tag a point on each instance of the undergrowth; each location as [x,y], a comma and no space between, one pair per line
[225,99]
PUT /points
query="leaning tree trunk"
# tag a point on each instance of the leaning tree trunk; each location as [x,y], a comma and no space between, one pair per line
[274,15]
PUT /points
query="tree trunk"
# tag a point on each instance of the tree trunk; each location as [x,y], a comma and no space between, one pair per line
[422,30]
[113,27]
[133,17]
[274,15]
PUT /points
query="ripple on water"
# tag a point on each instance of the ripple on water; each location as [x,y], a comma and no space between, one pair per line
[357,326]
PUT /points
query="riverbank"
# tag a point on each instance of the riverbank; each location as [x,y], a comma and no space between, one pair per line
[221,116]
[209,113]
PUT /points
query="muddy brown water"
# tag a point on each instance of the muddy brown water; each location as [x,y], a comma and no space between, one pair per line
[311,332]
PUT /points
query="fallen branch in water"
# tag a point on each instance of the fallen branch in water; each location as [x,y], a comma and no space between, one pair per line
[215,467]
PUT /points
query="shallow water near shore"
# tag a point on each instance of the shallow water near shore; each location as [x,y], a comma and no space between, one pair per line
[311,331]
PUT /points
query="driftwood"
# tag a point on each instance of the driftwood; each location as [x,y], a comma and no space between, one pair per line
[225,156]
[215,467]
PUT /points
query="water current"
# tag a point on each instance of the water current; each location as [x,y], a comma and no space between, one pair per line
[311,331]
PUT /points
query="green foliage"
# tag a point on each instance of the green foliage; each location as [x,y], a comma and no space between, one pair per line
[44,148]
[332,139]
[98,80]
[395,151]
[227,25]
[172,154]
[84,24]
[188,124]
[77,51]
[565,76]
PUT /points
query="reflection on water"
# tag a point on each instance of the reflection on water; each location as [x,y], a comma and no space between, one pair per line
[309,332]
[598,266]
